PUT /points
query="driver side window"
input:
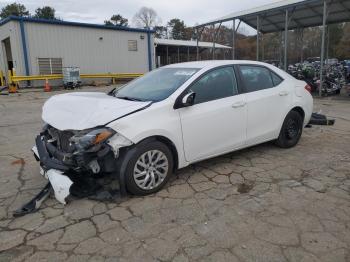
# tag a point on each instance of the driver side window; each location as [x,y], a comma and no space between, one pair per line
[218,83]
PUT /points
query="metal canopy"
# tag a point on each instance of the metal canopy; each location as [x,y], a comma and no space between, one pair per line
[288,15]
[187,43]
[302,14]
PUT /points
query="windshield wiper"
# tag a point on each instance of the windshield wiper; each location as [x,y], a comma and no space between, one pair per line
[129,98]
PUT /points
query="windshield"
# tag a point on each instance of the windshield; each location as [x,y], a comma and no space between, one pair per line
[156,85]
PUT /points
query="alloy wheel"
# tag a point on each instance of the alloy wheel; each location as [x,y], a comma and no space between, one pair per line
[150,169]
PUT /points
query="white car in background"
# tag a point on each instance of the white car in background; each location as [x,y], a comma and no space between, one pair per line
[169,118]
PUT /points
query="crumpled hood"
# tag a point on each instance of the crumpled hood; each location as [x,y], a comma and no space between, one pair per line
[82,110]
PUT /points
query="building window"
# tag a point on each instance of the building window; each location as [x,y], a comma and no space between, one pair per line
[50,66]
[132,45]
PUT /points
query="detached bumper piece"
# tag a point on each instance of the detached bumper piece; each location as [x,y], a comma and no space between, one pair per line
[34,204]
[319,119]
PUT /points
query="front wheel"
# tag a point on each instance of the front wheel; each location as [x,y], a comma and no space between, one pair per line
[149,168]
[291,130]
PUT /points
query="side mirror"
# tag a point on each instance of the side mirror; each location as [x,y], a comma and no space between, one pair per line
[188,99]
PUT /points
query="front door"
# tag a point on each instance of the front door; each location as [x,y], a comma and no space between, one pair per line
[216,123]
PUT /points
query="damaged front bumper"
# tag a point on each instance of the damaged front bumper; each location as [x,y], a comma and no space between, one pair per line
[75,173]
[63,169]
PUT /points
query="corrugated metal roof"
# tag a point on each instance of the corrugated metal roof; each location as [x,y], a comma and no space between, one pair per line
[302,13]
[173,42]
[68,23]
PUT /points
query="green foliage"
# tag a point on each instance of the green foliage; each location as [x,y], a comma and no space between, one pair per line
[45,12]
[343,48]
[177,28]
[117,20]
[161,31]
[14,9]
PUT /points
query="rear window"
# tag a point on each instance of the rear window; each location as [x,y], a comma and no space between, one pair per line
[276,79]
[256,78]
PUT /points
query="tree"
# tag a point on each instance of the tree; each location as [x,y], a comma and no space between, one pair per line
[161,31]
[335,34]
[190,33]
[343,47]
[177,28]
[45,12]
[117,20]
[146,18]
[14,9]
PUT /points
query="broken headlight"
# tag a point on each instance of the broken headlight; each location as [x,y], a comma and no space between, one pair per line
[91,139]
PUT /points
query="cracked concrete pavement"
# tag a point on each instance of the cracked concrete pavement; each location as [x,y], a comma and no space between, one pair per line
[259,204]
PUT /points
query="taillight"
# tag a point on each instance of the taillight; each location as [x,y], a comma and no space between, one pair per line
[308,88]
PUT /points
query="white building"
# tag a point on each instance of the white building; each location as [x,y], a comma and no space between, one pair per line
[39,46]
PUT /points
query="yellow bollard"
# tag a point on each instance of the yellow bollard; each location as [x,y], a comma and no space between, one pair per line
[2,78]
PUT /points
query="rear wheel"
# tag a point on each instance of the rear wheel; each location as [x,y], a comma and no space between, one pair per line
[291,130]
[149,168]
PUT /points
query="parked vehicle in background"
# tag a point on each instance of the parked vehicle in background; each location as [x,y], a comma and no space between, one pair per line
[346,64]
[276,63]
[313,59]
[169,118]
[335,76]
[331,61]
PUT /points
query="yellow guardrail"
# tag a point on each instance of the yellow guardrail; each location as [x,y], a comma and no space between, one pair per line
[15,78]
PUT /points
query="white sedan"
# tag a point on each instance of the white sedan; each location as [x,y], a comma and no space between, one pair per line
[169,118]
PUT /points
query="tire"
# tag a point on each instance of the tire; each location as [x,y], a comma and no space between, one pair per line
[137,173]
[291,130]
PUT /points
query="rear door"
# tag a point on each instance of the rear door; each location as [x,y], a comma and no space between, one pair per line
[216,123]
[268,98]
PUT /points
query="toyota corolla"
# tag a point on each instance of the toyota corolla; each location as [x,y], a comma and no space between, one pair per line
[168,119]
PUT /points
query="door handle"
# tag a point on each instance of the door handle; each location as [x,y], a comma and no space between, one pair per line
[283,93]
[239,104]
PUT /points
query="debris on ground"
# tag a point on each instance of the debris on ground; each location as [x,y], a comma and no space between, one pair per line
[245,187]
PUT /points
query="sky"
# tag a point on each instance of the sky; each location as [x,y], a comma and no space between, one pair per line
[191,11]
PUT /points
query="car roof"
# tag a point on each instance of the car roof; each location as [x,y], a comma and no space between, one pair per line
[212,63]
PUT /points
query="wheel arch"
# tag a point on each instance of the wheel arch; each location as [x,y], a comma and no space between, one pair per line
[168,143]
[299,110]
[296,108]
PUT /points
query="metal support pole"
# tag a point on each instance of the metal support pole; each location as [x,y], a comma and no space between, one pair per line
[301,39]
[262,47]
[216,31]
[286,42]
[257,37]
[322,44]
[213,43]
[233,38]
[188,53]
[281,49]
[197,38]
[327,45]
[155,56]
[178,54]
[167,55]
